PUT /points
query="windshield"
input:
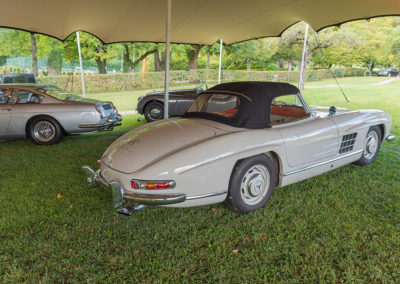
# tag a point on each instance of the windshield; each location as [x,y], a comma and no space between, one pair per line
[216,104]
[60,94]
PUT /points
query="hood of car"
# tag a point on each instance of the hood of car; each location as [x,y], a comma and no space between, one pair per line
[145,146]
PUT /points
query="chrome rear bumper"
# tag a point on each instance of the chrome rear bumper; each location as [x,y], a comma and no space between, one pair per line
[120,197]
[111,122]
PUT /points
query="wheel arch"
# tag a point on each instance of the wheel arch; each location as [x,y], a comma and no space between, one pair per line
[30,120]
[155,100]
[383,130]
[276,160]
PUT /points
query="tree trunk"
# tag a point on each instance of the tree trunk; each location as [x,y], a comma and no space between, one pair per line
[157,67]
[34,57]
[101,65]
[208,62]
[193,54]
[126,59]
[279,64]
[129,64]
[371,67]
[248,64]
[289,65]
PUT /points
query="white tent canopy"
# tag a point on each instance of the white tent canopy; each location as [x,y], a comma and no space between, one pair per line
[193,21]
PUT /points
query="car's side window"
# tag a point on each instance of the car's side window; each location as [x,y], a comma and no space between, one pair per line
[286,109]
[26,97]
[5,96]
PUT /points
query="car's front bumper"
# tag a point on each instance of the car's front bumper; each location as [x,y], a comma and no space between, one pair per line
[121,197]
[111,122]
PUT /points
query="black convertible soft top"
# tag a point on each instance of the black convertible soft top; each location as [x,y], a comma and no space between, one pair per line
[255,102]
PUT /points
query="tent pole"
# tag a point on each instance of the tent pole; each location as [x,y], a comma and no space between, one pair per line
[167,48]
[303,58]
[80,63]
[122,61]
[220,61]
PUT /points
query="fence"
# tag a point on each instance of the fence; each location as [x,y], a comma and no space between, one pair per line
[117,82]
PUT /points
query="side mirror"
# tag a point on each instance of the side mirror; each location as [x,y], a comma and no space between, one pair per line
[332,111]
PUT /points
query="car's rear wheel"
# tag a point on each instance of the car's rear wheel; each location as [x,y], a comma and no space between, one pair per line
[45,131]
[153,111]
[251,185]
[372,145]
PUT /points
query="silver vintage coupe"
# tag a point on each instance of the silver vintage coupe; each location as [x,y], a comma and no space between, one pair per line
[236,143]
[46,113]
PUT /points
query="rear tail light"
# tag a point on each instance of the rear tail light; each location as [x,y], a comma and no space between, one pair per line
[99,111]
[98,164]
[114,107]
[144,184]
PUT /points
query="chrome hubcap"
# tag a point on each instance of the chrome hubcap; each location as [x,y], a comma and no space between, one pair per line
[371,145]
[255,184]
[155,113]
[44,131]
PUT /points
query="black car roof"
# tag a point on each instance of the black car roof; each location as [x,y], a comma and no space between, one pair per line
[255,104]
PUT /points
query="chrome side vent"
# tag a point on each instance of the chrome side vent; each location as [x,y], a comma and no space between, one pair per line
[347,143]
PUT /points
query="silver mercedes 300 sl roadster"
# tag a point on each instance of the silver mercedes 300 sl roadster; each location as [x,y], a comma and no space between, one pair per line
[46,113]
[236,143]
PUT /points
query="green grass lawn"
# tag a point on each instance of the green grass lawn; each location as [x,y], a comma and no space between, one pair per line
[342,225]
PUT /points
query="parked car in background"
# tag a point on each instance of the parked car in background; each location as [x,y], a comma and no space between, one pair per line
[151,105]
[47,113]
[389,72]
[17,78]
[236,143]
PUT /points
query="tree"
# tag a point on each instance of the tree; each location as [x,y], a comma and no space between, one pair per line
[141,51]
[210,51]
[192,52]
[91,49]
[23,44]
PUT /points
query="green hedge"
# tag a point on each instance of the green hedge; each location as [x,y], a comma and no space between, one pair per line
[99,83]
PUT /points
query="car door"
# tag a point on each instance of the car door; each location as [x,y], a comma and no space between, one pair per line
[307,139]
[5,111]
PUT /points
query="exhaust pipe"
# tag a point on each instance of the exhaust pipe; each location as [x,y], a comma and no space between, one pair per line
[128,211]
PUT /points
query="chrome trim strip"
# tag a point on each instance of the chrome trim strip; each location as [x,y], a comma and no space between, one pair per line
[154,199]
[206,195]
[323,163]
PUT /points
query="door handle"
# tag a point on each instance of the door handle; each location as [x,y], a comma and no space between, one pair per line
[6,109]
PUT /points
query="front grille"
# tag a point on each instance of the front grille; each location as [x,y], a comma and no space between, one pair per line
[107,107]
[347,143]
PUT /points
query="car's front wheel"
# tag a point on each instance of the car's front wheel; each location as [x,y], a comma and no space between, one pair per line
[251,185]
[372,145]
[153,111]
[45,131]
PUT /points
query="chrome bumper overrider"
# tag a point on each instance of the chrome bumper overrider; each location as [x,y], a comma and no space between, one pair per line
[390,137]
[122,198]
[111,122]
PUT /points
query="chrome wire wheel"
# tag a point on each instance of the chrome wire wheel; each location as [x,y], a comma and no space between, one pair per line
[255,184]
[44,131]
[155,113]
[371,145]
